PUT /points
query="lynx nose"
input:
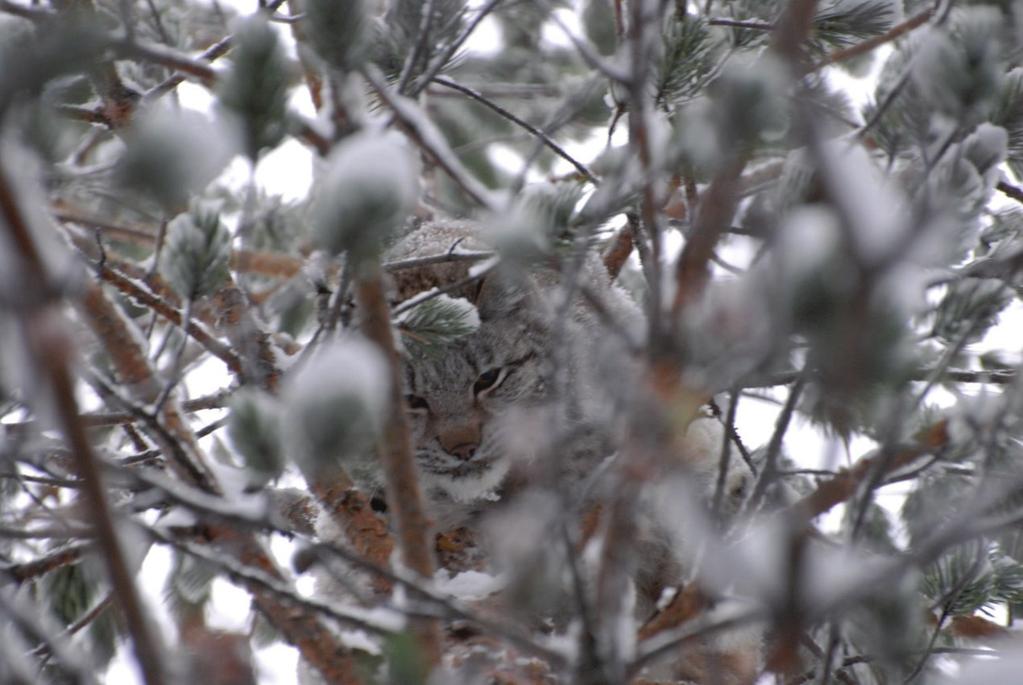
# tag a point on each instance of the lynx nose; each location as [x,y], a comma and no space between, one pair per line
[460,439]
[465,451]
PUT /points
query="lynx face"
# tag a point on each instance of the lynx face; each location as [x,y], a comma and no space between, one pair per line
[462,398]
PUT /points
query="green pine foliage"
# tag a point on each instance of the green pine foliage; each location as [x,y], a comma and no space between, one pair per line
[197,252]
[74,592]
[255,89]
[439,321]
[254,431]
[844,23]
[341,33]
[691,55]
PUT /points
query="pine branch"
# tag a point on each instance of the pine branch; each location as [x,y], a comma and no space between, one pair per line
[741,24]
[26,619]
[85,114]
[257,356]
[349,508]
[52,349]
[210,54]
[136,235]
[102,419]
[313,80]
[267,521]
[867,658]
[713,217]
[404,496]
[53,533]
[591,57]
[120,342]
[422,133]
[837,490]
[126,47]
[30,570]
[262,583]
[672,642]
[995,377]
[793,29]
[886,104]
[317,645]
[1011,191]
[866,46]
[165,56]
[270,264]
[420,50]
[618,251]
[640,67]
[171,314]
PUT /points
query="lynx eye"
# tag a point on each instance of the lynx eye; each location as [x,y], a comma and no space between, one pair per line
[488,380]
[416,403]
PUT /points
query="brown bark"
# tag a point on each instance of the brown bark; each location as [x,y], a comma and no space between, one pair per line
[836,490]
[31,570]
[617,252]
[717,205]
[171,314]
[685,606]
[366,532]
[259,365]
[404,497]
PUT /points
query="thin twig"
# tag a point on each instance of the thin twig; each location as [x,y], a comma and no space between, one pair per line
[844,485]
[430,260]
[994,376]
[558,150]
[717,205]
[888,101]
[442,59]
[590,56]
[262,581]
[673,642]
[413,302]
[419,50]
[726,450]
[156,304]
[420,130]
[741,23]
[29,570]
[770,468]
[1011,191]
[210,54]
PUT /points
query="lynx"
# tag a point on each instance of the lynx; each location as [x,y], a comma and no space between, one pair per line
[485,403]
